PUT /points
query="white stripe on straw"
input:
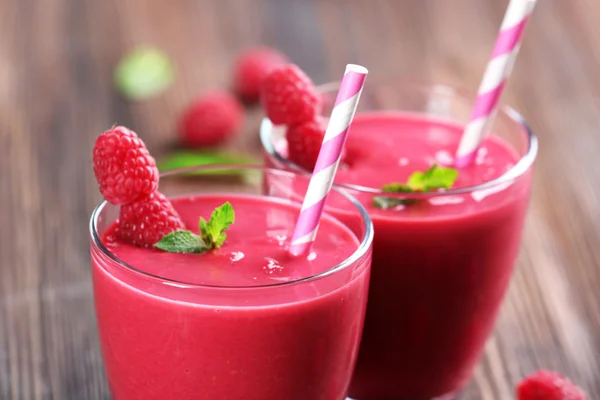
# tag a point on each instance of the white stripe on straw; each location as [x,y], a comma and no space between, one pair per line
[329,158]
[494,80]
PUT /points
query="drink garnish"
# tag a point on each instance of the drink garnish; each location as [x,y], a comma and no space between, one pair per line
[434,178]
[124,169]
[304,142]
[128,176]
[289,96]
[145,221]
[212,234]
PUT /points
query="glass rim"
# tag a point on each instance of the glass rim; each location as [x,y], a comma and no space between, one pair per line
[523,165]
[363,247]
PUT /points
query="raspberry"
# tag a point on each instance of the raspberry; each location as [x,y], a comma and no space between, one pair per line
[304,142]
[123,167]
[252,67]
[146,221]
[211,119]
[546,385]
[289,96]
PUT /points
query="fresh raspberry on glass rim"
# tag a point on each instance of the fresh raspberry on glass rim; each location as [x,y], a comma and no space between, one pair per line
[289,97]
[124,168]
[128,176]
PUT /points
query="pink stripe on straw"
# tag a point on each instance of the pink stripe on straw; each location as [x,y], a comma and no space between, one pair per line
[306,224]
[486,102]
[494,80]
[355,82]
[328,149]
[508,39]
[328,160]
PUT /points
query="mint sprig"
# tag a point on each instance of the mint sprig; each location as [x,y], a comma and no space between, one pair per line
[434,178]
[182,242]
[212,233]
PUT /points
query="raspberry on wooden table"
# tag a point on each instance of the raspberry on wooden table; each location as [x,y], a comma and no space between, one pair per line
[547,385]
[144,222]
[289,96]
[252,67]
[124,168]
[211,119]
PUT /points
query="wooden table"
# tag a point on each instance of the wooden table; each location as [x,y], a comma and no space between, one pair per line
[56,96]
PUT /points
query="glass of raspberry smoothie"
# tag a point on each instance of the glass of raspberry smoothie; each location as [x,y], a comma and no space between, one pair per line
[242,321]
[442,260]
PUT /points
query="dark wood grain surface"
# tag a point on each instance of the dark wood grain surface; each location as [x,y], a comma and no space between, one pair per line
[56,96]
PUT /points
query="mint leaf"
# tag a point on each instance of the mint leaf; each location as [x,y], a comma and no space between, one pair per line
[396,188]
[181,242]
[185,159]
[143,73]
[204,229]
[389,202]
[433,179]
[212,233]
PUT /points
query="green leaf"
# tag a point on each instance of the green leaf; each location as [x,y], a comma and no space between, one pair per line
[213,232]
[220,240]
[390,202]
[203,225]
[181,242]
[143,73]
[396,188]
[186,159]
[434,178]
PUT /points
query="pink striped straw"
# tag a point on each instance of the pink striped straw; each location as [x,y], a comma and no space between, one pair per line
[494,80]
[329,158]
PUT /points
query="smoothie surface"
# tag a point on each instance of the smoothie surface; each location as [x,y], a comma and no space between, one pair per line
[255,252]
[387,147]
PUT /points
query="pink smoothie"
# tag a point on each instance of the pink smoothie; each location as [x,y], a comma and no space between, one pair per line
[441,266]
[223,324]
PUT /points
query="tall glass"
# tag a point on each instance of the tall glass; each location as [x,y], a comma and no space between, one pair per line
[439,272]
[165,339]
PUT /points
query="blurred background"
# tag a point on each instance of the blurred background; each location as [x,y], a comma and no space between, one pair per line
[57,94]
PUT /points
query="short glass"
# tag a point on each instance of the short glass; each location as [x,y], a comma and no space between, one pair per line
[166,339]
[437,281]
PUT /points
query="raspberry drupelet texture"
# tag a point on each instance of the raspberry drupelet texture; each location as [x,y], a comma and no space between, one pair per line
[304,142]
[289,96]
[124,168]
[144,222]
